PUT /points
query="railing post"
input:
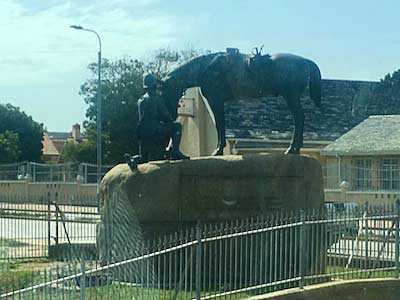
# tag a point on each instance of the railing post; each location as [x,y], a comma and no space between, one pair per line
[86,174]
[366,236]
[82,281]
[302,254]
[198,261]
[48,223]
[57,217]
[397,240]
[33,172]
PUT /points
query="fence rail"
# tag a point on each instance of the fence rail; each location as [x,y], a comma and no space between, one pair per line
[363,175]
[37,172]
[231,260]
[31,226]
[359,177]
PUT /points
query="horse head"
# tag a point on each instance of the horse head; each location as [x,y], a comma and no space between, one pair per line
[258,63]
[259,68]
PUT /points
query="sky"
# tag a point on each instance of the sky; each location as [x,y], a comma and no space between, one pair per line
[43,62]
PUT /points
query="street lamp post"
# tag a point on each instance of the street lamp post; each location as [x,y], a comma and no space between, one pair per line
[99,109]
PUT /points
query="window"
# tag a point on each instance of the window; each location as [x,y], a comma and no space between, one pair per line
[390,174]
[363,174]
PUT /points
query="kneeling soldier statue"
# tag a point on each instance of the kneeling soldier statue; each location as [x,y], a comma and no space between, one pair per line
[155,128]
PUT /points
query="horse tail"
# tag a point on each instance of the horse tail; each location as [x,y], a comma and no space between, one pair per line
[315,83]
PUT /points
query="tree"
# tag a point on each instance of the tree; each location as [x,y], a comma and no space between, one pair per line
[385,96]
[82,152]
[390,84]
[20,129]
[378,98]
[387,92]
[121,87]
[9,147]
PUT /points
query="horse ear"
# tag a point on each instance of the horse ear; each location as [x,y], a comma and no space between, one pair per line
[256,51]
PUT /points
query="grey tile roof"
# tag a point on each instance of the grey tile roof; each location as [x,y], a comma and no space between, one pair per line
[59,135]
[378,134]
[343,107]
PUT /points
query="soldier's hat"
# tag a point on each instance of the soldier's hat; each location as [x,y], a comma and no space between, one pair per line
[149,81]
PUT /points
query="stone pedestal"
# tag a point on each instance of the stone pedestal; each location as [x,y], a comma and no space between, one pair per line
[216,189]
[164,197]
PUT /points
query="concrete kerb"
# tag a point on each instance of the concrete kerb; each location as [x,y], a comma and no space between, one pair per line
[365,289]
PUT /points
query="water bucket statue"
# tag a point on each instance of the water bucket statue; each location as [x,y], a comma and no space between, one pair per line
[231,75]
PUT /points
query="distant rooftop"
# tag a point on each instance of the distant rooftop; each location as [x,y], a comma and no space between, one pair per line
[60,135]
[48,146]
[378,134]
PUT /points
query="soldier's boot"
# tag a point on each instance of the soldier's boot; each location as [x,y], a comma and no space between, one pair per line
[133,161]
[178,155]
[175,153]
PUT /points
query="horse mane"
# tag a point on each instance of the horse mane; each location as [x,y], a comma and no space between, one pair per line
[190,71]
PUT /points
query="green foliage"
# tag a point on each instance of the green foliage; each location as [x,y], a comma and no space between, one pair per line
[390,84]
[11,243]
[83,152]
[380,98]
[21,273]
[21,137]
[9,146]
[14,280]
[387,94]
[121,87]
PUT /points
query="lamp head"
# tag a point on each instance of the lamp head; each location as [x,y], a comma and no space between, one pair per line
[78,27]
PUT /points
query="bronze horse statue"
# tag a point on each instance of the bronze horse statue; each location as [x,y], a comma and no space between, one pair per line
[227,76]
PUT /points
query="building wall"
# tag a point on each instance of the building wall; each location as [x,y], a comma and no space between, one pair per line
[344,180]
[31,190]
[372,198]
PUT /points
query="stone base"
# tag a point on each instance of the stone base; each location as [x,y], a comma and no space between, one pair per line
[165,197]
[215,189]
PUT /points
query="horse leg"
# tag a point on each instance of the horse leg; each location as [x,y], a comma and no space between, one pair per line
[215,88]
[219,115]
[298,116]
[217,106]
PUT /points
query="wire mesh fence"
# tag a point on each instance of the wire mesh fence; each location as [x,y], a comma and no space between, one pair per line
[15,171]
[31,227]
[227,261]
[37,172]
[363,174]
[360,174]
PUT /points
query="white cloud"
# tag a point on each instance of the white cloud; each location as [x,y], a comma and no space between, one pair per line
[38,45]
[43,61]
